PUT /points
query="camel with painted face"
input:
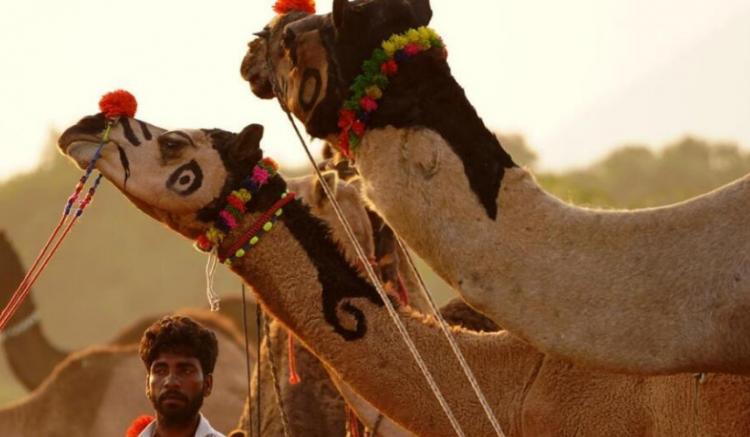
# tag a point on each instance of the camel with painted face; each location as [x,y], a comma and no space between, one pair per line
[186,178]
[652,291]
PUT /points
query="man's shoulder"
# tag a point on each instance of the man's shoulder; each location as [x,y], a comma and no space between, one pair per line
[206,430]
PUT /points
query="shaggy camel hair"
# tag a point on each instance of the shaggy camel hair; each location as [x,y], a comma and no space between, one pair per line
[314,407]
[652,291]
[25,336]
[98,391]
[301,278]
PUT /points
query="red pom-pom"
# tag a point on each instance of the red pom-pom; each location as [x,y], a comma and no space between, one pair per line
[284,6]
[118,103]
[138,425]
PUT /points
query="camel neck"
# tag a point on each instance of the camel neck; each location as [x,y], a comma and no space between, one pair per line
[424,94]
[303,280]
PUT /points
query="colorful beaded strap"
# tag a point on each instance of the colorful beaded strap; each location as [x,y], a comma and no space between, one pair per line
[262,225]
[236,205]
[367,88]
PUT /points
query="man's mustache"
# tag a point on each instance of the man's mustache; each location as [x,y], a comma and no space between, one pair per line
[173,395]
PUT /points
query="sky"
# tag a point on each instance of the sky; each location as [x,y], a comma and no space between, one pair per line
[576,78]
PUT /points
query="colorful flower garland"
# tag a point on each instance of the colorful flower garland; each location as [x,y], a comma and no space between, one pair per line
[367,88]
[236,205]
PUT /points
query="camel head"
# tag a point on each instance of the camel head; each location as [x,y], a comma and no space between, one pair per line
[309,61]
[179,177]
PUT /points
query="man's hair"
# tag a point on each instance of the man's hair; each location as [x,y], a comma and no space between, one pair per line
[179,335]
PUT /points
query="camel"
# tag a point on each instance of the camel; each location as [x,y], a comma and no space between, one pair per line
[301,277]
[651,291]
[99,390]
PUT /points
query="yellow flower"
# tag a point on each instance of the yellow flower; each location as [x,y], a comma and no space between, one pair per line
[400,41]
[389,48]
[374,92]
[214,235]
[413,36]
[243,195]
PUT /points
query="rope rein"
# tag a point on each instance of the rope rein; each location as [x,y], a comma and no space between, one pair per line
[362,256]
[275,379]
[379,287]
[43,258]
[451,340]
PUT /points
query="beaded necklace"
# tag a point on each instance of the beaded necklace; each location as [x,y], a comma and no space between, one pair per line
[367,88]
[235,208]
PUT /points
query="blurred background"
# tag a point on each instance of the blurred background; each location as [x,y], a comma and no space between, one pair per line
[612,104]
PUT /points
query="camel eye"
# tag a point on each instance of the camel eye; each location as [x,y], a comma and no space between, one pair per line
[172,143]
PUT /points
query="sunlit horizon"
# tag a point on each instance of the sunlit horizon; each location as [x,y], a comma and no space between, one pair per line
[576,79]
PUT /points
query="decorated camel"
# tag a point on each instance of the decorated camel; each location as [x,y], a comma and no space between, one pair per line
[316,401]
[186,178]
[98,391]
[652,291]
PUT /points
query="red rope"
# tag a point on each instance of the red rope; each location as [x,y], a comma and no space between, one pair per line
[294,378]
[28,280]
[255,227]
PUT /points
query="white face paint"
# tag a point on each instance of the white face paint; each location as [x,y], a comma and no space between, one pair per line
[175,172]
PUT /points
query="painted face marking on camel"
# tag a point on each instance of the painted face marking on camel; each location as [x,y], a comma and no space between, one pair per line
[186,179]
[144,130]
[125,166]
[129,134]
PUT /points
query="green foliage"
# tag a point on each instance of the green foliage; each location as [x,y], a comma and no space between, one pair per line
[635,177]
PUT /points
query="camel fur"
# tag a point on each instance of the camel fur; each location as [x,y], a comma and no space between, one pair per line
[300,276]
[652,291]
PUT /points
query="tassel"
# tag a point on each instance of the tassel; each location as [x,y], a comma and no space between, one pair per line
[213,298]
[353,422]
[294,378]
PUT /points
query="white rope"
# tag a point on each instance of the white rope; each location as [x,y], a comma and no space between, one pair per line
[213,298]
[20,327]
[381,291]
[452,341]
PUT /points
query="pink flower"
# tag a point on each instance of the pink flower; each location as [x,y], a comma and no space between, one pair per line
[346,118]
[260,175]
[368,104]
[412,49]
[358,128]
[228,219]
[389,67]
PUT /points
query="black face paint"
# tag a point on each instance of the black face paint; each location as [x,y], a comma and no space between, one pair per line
[144,130]
[125,166]
[129,134]
[310,74]
[186,179]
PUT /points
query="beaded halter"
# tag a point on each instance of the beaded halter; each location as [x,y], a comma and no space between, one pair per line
[235,208]
[367,88]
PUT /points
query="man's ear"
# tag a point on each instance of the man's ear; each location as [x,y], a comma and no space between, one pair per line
[208,384]
[318,194]
[247,144]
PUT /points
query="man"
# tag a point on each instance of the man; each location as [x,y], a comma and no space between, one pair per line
[179,355]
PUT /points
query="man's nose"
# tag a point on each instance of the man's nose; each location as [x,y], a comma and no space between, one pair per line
[172,380]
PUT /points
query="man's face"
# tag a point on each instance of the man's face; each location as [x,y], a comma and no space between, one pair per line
[176,387]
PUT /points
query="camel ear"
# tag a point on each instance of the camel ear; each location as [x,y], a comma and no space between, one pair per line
[422,11]
[318,195]
[339,13]
[247,144]
[237,433]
